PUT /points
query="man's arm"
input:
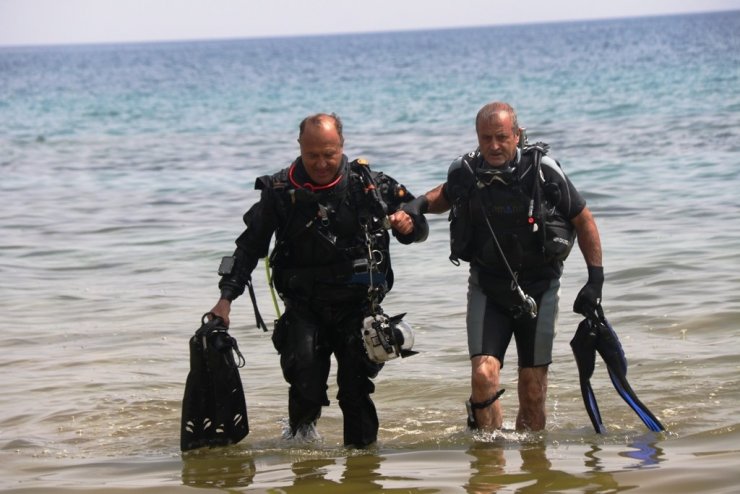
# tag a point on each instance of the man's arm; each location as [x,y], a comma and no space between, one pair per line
[589,240]
[436,200]
[433,201]
[588,300]
[252,244]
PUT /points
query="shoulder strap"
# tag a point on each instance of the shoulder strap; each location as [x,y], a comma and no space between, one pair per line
[277,181]
[461,178]
[369,185]
[538,150]
[286,192]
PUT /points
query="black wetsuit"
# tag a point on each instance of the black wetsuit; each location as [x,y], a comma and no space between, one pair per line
[505,194]
[320,269]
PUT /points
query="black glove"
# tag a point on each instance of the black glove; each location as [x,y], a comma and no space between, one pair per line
[588,300]
[417,207]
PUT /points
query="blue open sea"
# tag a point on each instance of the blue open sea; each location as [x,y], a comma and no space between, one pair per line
[125,170]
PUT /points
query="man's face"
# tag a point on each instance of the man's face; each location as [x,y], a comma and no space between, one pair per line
[497,140]
[321,152]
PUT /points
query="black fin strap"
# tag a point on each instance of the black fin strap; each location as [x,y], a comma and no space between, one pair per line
[257,315]
[241,362]
[484,404]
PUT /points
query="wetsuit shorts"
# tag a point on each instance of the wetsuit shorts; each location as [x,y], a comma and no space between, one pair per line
[491,326]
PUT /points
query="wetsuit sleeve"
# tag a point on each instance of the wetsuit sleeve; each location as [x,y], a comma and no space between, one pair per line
[252,244]
[395,194]
[559,190]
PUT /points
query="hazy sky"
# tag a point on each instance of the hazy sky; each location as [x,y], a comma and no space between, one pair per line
[83,21]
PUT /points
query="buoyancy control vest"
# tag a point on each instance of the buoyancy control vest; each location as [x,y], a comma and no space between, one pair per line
[505,195]
[331,242]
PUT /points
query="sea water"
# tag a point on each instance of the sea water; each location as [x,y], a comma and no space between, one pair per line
[125,170]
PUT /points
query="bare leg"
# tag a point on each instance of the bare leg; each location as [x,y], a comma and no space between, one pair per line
[485,383]
[532,394]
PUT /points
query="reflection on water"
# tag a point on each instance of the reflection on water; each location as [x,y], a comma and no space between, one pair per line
[360,474]
[533,474]
[487,468]
[353,473]
[497,465]
[217,471]
[646,452]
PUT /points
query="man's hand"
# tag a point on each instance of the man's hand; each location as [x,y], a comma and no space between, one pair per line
[401,222]
[222,309]
[588,300]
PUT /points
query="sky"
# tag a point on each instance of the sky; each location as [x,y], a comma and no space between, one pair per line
[42,22]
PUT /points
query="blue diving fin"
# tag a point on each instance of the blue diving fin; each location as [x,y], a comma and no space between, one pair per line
[584,350]
[610,349]
[596,334]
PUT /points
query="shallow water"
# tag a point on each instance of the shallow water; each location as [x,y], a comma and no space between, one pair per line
[125,172]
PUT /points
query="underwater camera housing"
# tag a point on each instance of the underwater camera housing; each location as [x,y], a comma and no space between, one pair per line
[387,338]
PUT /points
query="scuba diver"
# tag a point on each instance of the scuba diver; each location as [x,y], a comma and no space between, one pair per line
[331,266]
[513,216]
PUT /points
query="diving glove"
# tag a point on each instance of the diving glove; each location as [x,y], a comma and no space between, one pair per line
[588,300]
[417,207]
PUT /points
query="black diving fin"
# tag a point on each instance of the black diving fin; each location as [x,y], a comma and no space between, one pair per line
[214,410]
[596,334]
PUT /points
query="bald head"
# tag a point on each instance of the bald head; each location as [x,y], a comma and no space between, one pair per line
[322,121]
[321,143]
